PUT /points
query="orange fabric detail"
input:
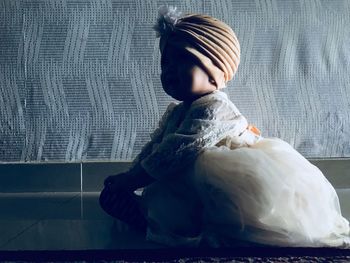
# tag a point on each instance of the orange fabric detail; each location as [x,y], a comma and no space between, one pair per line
[254,129]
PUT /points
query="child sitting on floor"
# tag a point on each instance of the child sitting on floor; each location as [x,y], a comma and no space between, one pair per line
[208,176]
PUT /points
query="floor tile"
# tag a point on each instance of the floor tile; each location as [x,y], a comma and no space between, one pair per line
[10,229]
[31,206]
[79,235]
[73,221]
[63,221]
[91,209]
[21,211]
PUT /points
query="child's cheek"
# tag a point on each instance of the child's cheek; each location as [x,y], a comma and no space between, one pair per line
[199,81]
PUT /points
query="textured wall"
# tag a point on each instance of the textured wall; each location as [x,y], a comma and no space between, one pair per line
[79,80]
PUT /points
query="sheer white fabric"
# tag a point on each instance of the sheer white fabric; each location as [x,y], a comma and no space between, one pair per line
[219,184]
[268,193]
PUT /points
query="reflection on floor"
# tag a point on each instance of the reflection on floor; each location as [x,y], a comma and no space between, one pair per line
[72,221]
[62,221]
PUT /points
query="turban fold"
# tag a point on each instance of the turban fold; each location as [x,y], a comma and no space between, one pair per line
[212,42]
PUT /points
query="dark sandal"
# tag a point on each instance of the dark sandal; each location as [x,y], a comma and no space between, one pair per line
[123,206]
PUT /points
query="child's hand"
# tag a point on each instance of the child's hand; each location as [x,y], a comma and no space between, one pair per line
[129,181]
[119,181]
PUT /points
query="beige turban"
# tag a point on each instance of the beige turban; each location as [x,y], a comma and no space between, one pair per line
[210,40]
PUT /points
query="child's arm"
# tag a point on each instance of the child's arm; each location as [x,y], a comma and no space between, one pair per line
[156,137]
[130,180]
[204,125]
[136,176]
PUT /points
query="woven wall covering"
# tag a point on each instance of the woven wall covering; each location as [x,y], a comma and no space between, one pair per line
[79,80]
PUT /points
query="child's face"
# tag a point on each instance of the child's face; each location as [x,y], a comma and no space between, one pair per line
[182,76]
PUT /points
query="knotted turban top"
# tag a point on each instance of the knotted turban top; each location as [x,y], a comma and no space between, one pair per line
[212,42]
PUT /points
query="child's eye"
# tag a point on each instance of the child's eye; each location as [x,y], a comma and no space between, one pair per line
[212,81]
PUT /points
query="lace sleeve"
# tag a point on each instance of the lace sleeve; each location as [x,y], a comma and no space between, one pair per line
[156,138]
[204,126]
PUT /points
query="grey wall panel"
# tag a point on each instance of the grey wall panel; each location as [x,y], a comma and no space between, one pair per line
[79,80]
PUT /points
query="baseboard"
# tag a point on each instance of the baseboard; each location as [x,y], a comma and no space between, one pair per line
[89,176]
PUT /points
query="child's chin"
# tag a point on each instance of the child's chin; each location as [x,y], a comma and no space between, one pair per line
[180,98]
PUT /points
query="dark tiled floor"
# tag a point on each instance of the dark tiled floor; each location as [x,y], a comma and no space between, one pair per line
[50,217]
[59,221]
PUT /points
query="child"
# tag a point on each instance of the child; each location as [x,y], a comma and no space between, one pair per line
[209,177]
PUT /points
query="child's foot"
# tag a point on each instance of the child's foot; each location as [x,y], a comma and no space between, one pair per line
[123,205]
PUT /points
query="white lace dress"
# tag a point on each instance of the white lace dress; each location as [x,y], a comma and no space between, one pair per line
[219,184]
